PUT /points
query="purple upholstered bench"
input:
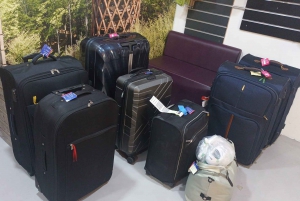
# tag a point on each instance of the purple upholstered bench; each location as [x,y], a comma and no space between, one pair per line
[193,64]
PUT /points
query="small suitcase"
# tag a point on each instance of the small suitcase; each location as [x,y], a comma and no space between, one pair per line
[27,83]
[173,143]
[75,142]
[108,58]
[280,70]
[133,93]
[244,108]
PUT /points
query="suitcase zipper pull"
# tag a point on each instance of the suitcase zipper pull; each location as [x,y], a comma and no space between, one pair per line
[73,148]
[90,103]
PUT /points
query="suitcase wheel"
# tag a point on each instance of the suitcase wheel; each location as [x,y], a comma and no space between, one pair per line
[170,184]
[131,159]
[148,173]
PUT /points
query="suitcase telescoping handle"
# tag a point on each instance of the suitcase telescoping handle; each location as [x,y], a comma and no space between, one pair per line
[38,56]
[29,56]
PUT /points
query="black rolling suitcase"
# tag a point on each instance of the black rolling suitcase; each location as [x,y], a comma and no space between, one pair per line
[284,71]
[173,143]
[244,108]
[24,85]
[133,93]
[75,142]
[108,58]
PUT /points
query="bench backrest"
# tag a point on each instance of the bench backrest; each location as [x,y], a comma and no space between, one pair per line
[199,52]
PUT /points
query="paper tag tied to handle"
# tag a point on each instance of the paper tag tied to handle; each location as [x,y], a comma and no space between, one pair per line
[162,108]
[265,62]
[266,74]
[194,168]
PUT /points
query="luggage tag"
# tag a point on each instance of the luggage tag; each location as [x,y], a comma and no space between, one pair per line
[194,168]
[189,110]
[204,100]
[46,50]
[265,62]
[69,96]
[162,108]
[182,109]
[266,74]
[113,35]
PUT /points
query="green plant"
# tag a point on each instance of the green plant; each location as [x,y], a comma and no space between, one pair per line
[74,50]
[156,30]
[20,46]
[182,2]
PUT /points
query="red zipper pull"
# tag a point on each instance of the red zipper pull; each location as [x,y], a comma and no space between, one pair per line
[74,152]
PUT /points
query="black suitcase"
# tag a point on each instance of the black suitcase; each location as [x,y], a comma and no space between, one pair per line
[133,93]
[173,143]
[281,70]
[244,108]
[108,58]
[23,82]
[75,142]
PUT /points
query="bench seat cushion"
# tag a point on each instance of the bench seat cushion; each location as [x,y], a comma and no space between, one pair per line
[189,81]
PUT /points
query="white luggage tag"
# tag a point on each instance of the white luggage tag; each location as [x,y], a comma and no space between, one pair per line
[162,108]
[194,168]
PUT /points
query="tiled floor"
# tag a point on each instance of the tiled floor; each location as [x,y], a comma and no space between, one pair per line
[275,176]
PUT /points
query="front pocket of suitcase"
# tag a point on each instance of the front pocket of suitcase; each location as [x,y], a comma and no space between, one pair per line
[89,162]
[243,132]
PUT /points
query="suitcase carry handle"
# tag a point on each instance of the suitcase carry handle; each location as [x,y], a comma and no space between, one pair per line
[37,57]
[12,120]
[29,56]
[274,62]
[78,90]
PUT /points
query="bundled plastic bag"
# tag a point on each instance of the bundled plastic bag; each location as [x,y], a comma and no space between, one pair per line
[215,150]
[213,175]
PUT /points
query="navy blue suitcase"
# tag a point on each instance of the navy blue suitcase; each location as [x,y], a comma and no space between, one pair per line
[244,108]
[105,58]
[284,71]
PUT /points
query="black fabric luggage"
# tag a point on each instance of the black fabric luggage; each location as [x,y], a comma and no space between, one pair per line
[133,93]
[75,143]
[21,83]
[244,108]
[280,70]
[108,58]
[173,143]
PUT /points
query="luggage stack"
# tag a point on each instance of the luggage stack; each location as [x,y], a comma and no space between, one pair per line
[246,114]
[65,131]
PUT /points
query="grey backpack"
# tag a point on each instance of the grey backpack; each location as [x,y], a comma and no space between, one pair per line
[211,182]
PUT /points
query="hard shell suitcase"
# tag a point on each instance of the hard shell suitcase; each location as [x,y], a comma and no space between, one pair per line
[244,108]
[75,142]
[173,143]
[27,83]
[284,71]
[133,93]
[108,58]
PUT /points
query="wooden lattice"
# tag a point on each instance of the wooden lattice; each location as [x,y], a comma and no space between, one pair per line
[114,15]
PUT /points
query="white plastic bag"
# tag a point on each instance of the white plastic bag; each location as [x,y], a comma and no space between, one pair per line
[215,150]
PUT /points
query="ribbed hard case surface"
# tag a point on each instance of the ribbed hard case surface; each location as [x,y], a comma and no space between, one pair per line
[133,93]
[108,58]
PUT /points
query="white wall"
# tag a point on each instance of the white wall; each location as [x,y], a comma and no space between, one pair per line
[259,45]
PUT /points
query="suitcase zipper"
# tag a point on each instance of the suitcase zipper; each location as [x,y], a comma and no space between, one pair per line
[184,130]
[191,140]
[73,144]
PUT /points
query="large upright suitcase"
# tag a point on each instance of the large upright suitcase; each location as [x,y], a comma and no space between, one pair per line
[280,70]
[75,143]
[108,58]
[133,93]
[24,85]
[173,143]
[244,108]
